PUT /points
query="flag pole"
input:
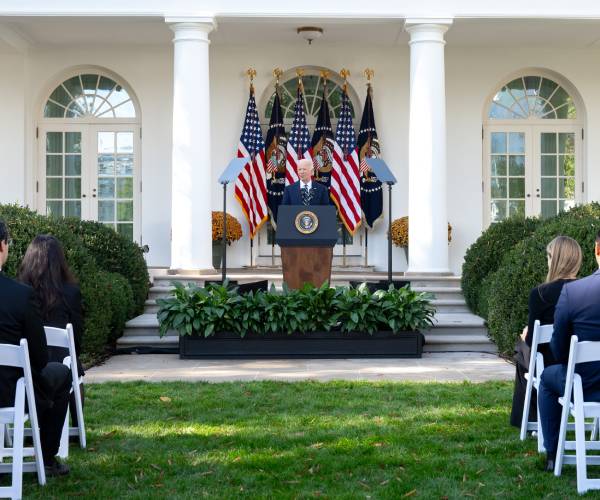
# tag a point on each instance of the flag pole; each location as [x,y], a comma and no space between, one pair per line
[366,246]
[251,72]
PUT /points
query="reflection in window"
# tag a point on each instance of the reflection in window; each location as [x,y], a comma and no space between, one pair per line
[89,95]
[532,97]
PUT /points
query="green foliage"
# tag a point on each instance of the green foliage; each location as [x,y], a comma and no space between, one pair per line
[525,267]
[107,296]
[485,255]
[218,308]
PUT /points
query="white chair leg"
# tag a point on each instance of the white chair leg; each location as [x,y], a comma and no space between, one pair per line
[79,410]
[526,406]
[17,450]
[580,452]
[63,450]
[562,436]
[540,434]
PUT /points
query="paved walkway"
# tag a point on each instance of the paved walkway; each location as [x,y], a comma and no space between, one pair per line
[435,367]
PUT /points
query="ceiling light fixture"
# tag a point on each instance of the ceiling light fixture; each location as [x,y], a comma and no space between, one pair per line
[310,33]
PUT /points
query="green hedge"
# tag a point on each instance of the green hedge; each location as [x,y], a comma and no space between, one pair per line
[484,257]
[216,308]
[108,297]
[525,266]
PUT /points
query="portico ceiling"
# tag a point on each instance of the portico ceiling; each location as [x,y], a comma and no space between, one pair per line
[47,32]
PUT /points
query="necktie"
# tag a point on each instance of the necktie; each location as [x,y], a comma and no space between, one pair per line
[304,194]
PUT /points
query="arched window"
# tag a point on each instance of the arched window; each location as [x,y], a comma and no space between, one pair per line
[532,148]
[532,97]
[89,152]
[89,96]
[313,93]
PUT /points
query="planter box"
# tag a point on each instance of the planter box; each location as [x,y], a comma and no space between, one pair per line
[332,344]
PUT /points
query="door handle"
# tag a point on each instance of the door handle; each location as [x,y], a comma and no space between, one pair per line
[83,195]
[528,195]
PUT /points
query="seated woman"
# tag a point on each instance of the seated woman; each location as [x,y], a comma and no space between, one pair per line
[564,260]
[45,269]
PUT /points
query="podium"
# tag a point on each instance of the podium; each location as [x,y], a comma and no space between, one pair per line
[306,235]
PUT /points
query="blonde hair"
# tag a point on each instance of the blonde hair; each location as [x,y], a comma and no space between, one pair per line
[565,258]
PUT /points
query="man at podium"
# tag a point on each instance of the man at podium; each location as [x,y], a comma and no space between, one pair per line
[305,191]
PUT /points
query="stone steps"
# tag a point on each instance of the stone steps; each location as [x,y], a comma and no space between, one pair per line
[455,328]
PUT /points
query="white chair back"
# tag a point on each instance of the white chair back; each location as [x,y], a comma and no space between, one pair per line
[579,352]
[542,334]
[18,357]
[65,338]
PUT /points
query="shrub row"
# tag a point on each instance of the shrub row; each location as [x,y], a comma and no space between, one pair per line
[217,308]
[110,269]
[503,293]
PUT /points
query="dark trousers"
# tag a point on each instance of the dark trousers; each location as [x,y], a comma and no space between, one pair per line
[51,418]
[521,358]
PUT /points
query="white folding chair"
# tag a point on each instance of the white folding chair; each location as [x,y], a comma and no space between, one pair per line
[18,357]
[580,352]
[59,337]
[541,335]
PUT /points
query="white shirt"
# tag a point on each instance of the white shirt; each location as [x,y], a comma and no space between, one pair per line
[307,185]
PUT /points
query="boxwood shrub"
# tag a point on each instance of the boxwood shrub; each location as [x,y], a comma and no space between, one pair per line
[485,255]
[108,299]
[525,267]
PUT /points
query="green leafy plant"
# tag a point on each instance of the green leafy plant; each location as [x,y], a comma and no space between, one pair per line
[204,311]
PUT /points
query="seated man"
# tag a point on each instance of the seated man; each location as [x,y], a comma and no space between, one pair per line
[577,313]
[305,191]
[20,319]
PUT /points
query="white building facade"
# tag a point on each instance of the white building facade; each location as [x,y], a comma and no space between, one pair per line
[127,112]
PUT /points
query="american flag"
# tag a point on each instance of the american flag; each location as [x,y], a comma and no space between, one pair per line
[297,146]
[345,177]
[250,186]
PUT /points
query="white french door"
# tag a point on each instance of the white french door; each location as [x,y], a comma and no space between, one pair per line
[531,170]
[91,172]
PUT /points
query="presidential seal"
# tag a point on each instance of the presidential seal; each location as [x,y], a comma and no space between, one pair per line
[307,222]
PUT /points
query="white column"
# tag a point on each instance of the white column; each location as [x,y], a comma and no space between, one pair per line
[427,236]
[191,229]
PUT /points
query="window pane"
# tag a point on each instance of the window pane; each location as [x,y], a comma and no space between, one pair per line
[106,211]
[548,142]
[125,142]
[106,188]
[72,188]
[516,188]
[566,165]
[54,208]
[54,164]
[125,188]
[60,96]
[54,188]
[566,143]
[125,211]
[106,142]
[72,164]
[73,85]
[73,142]
[548,86]
[564,205]
[549,188]
[52,110]
[125,110]
[73,209]
[560,97]
[516,207]
[498,142]
[498,165]
[125,230]
[75,111]
[89,83]
[566,188]
[498,188]
[54,142]
[118,96]
[498,112]
[498,210]
[125,165]
[548,208]
[106,165]
[549,165]
[516,165]
[105,86]
[516,142]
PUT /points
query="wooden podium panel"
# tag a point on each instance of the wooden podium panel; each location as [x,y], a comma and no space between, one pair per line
[306,265]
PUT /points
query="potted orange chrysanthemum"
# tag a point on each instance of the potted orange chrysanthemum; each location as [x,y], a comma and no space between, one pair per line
[234,233]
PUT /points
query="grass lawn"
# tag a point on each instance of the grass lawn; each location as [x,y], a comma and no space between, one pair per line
[303,440]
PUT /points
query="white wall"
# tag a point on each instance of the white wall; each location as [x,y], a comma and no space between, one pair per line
[12,174]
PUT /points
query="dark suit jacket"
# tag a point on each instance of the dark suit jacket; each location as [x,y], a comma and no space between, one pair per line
[67,311]
[20,319]
[578,313]
[292,196]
